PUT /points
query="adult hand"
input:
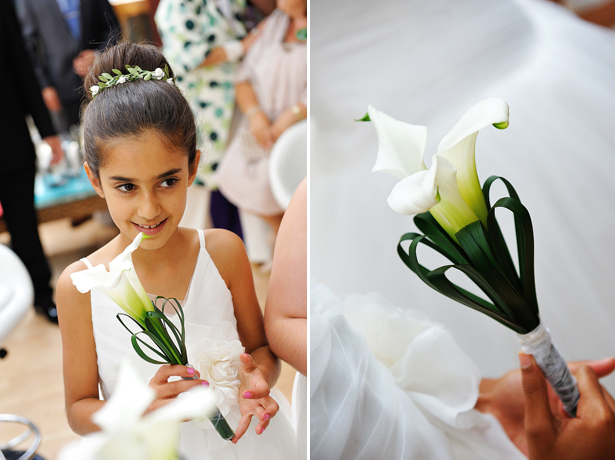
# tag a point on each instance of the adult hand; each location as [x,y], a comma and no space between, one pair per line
[503,398]
[56,148]
[282,123]
[52,101]
[82,63]
[589,436]
[165,390]
[254,398]
[260,126]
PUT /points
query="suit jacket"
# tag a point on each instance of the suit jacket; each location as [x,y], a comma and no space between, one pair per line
[52,47]
[20,95]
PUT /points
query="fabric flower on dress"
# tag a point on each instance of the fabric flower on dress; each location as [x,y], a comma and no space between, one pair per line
[218,363]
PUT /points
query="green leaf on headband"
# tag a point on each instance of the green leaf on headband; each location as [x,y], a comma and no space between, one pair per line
[102,85]
[107,76]
[117,72]
[147,77]
[138,68]
[102,78]
[133,71]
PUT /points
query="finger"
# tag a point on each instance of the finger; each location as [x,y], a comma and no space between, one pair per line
[538,416]
[592,403]
[173,389]
[263,424]
[244,423]
[247,362]
[257,388]
[166,371]
[602,367]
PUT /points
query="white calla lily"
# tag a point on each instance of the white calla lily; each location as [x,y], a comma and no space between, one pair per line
[449,189]
[120,283]
[127,434]
[400,145]
[458,146]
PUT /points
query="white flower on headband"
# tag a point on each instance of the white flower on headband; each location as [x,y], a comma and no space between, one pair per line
[94,90]
[122,79]
[170,81]
[158,74]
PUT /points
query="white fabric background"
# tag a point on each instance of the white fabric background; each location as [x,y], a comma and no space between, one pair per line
[427,63]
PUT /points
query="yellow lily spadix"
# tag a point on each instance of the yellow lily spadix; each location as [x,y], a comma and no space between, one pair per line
[449,189]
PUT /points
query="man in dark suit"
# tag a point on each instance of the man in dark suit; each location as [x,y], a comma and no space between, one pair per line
[20,96]
[62,37]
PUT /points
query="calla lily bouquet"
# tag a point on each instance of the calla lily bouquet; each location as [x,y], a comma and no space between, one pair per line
[164,339]
[457,220]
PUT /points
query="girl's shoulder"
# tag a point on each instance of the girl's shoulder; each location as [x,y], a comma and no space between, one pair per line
[226,250]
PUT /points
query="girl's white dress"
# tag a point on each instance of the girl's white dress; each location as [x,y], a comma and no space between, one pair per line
[211,331]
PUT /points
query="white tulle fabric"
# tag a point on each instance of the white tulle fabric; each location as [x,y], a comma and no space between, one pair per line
[211,332]
[427,63]
[387,383]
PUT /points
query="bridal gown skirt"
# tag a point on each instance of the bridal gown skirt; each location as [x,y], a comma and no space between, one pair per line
[387,383]
[427,63]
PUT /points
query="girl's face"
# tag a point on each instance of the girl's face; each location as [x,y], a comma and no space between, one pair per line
[145,185]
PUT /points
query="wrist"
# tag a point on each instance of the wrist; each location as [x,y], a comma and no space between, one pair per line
[253,111]
[297,112]
[234,50]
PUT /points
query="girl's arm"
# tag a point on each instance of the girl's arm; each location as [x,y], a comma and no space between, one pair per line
[78,353]
[260,125]
[286,310]
[260,368]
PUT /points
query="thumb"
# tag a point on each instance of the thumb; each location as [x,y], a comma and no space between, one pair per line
[247,362]
[539,422]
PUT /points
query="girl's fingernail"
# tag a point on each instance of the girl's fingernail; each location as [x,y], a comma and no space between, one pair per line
[525,361]
[265,417]
[247,395]
[205,383]
[190,371]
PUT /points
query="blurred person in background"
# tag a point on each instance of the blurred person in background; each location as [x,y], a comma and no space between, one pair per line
[21,96]
[61,38]
[271,92]
[204,41]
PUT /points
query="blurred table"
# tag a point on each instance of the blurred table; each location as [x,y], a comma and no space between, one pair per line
[61,197]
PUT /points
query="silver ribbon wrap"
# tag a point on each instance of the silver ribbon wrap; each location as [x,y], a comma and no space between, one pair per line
[554,367]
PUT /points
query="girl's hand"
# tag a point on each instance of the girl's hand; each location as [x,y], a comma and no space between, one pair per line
[254,398]
[589,436]
[260,126]
[165,390]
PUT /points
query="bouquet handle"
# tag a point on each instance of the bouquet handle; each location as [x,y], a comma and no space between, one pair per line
[216,418]
[538,343]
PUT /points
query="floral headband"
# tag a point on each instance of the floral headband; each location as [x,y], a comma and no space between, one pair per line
[135,73]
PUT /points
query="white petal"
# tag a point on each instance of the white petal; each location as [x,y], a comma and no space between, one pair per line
[400,145]
[195,403]
[414,194]
[85,280]
[129,401]
[485,113]
[124,260]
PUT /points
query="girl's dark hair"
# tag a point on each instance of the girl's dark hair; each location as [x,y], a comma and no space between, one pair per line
[127,110]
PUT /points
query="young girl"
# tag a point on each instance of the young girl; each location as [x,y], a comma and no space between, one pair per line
[141,156]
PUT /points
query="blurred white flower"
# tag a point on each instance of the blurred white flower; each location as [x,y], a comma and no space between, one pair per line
[158,74]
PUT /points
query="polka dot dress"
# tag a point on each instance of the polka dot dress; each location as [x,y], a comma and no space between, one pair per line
[190,29]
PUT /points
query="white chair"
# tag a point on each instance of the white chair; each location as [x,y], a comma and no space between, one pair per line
[16,298]
[288,162]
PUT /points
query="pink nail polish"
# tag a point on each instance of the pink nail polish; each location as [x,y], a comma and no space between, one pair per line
[266,417]
[247,395]
[190,371]
[205,383]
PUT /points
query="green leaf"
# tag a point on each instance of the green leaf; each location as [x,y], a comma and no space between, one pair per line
[365,118]
[103,78]
[117,72]
[102,85]
[107,76]
[133,71]
[147,77]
